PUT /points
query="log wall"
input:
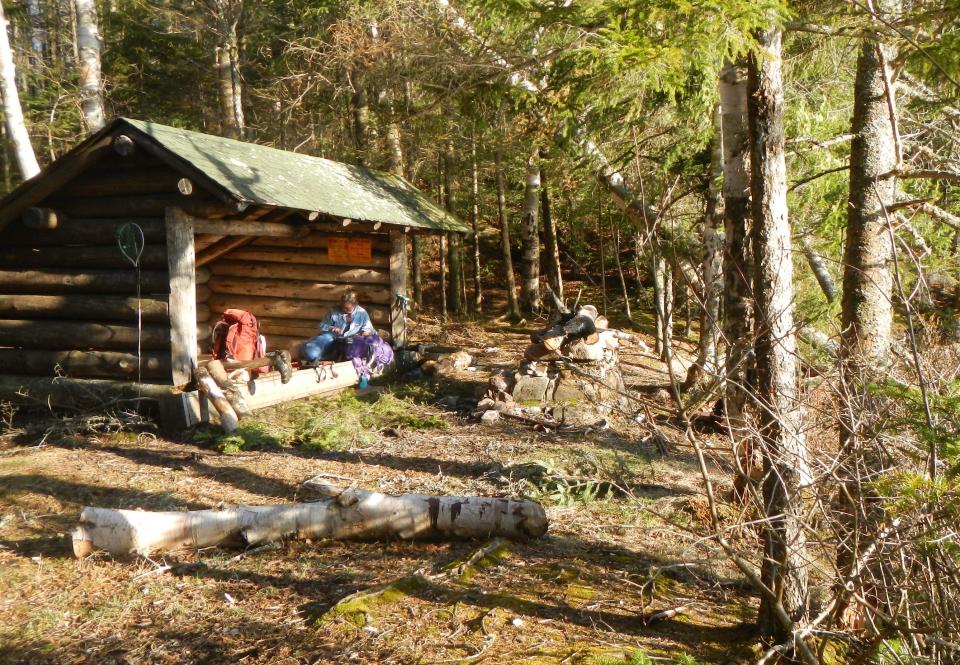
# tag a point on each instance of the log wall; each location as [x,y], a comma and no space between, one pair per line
[290,283]
[68,297]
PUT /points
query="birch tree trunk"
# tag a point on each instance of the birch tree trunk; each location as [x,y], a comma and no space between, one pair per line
[530,238]
[13,113]
[819,268]
[603,254]
[348,514]
[228,124]
[551,247]
[88,47]
[361,121]
[706,365]
[513,307]
[737,262]
[454,240]
[475,222]
[784,568]
[623,280]
[233,48]
[227,15]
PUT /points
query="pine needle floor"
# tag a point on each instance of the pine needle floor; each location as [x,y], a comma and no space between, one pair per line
[617,552]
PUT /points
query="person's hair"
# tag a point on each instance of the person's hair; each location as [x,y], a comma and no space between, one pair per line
[349,296]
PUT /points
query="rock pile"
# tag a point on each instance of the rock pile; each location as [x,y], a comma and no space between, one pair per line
[570,373]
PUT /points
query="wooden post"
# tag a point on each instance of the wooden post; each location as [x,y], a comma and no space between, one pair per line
[398,286]
[183,296]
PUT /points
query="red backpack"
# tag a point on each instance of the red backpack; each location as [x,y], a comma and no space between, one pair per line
[237,336]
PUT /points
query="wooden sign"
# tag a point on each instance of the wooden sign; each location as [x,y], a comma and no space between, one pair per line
[337,250]
[360,250]
[350,251]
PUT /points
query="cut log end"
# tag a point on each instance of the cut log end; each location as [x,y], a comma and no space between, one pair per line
[42,219]
[124,146]
[82,543]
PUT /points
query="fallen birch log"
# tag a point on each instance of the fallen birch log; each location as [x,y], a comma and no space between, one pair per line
[347,514]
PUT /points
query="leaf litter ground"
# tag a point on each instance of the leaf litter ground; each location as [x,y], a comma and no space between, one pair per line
[625,511]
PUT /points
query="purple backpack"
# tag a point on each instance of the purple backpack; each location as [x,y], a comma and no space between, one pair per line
[370,355]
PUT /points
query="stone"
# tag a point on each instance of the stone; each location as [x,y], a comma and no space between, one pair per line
[500,383]
[489,417]
[485,404]
[449,401]
[461,360]
[531,388]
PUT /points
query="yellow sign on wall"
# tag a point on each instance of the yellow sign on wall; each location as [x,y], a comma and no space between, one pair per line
[350,251]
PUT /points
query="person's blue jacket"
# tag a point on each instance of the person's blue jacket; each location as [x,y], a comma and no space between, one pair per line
[359,322]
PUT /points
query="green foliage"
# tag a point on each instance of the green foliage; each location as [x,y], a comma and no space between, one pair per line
[910,416]
[631,658]
[251,435]
[332,424]
[350,421]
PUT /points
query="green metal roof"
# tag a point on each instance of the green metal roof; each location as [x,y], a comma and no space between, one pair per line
[262,175]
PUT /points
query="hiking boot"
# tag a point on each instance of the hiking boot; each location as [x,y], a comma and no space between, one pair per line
[284,364]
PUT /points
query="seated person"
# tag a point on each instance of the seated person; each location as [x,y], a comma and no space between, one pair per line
[345,322]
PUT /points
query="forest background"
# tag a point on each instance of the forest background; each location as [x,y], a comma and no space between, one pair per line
[772,171]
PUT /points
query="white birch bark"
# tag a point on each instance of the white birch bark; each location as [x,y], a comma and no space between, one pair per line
[513,307]
[475,224]
[819,268]
[785,561]
[348,514]
[530,237]
[88,47]
[16,125]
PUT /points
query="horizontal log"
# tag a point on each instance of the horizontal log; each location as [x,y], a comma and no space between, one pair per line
[41,219]
[203,293]
[78,306]
[337,226]
[286,308]
[302,328]
[212,252]
[329,274]
[84,364]
[75,393]
[344,514]
[379,242]
[291,288]
[285,343]
[149,180]
[243,228]
[145,205]
[79,231]
[78,335]
[314,257]
[186,409]
[92,281]
[106,256]
[124,146]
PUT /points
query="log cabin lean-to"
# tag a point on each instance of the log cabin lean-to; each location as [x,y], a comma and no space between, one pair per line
[225,224]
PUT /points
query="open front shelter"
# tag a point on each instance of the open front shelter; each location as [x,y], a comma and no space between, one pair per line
[225,224]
